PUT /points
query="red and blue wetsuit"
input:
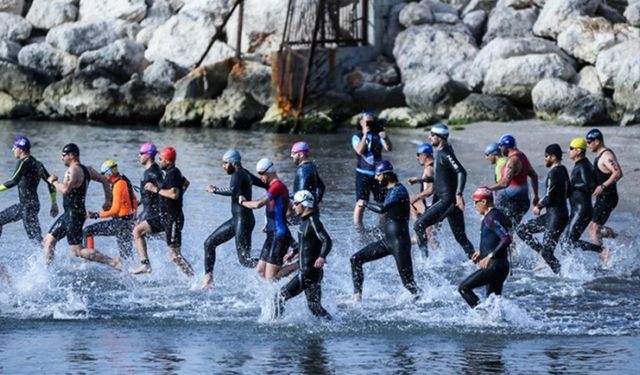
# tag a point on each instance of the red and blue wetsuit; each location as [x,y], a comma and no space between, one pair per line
[278,235]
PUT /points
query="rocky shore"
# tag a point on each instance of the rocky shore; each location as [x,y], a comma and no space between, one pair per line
[572,62]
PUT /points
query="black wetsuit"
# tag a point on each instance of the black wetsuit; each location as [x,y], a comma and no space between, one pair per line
[554,221]
[171,221]
[70,223]
[307,178]
[27,176]
[239,226]
[313,242]
[150,201]
[607,201]
[495,240]
[396,240]
[449,180]
[583,182]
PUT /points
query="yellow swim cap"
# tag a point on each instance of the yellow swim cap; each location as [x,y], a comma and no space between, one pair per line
[579,143]
[109,167]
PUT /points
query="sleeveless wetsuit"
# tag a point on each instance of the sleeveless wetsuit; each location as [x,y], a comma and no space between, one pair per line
[26,177]
[396,240]
[553,222]
[239,226]
[494,239]
[70,223]
[607,201]
[313,242]
[583,182]
[366,165]
[449,180]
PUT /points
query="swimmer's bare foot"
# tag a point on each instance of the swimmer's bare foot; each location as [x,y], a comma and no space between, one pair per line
[144,268]
[117,263]
[356,298]
[604,256]
[207,281]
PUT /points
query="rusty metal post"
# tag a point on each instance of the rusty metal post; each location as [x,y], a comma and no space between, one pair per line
[239,33]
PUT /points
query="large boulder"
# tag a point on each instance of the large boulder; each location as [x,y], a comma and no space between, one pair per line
[183,39]
[12,6]
[20,90]
[393,28]
[121,58]
[551,95]
[100,10]
[42,56]
[157,14]
[618,65]
[253,79]
[14,27]
[9,51]
[477,107]
[46,14]
[501,48]
[136,102]
[204,82]
[376,85]
[161,74]
[183,113]
[79,37]
[585,37]
[404,117]
[587,111]
[446,49]
[588,79]
[415,14]
[485,5]
[475,21]
[507,22]
[627,98]
[632,13]
[219,51]
[515,77]
[555,12]
[434,93]
[233,109]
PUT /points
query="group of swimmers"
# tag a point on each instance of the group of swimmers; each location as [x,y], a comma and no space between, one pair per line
[502,204]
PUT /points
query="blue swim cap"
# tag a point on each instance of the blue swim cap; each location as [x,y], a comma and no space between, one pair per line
[232,156]
[492,149]
[22,143]
[383,166]
[440,130]
[425,148]
[507,141]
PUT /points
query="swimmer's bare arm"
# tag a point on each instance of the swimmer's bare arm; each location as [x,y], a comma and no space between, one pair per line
[253,204]
[608,163]
[427,175]
[511,169]
[171,193]
[72,179]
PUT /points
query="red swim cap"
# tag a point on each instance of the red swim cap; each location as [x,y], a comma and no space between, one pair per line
[482,193]
[168,154]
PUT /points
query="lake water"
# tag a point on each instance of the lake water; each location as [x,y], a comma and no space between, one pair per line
[85,318]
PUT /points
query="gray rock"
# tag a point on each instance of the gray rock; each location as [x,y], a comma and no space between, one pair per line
[46,14]
[42,56]
[518,4]
[20,89]
[459,5]
[486,5]
[415,14]
[381,71]
[233,109]
[477,107]
[618,65]
[121,58]
[551,95]
[253,79]
[14,28]
[434,93]
[9,51]
[79,37]
[610,13]
[100,10]
[437,6]
[219,51]
[585,37]
[507,22]
[627,98]
[632,13]
[204,82]
[588,79]
[500,48]
[161,74]
[405,117]
[475,21]
[136,102]
[447,49]
[12,6]
[393,28]
[215,8]
[515,77]
[445,18]
[555,12]
[158,13]
[374,96]
[183,39]
[586,111]
[184,113]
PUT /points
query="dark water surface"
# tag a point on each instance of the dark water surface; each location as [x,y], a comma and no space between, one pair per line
[85,318]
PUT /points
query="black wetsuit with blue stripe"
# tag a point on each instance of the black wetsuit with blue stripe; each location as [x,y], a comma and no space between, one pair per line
[396,240]
[307,178]
[494,242]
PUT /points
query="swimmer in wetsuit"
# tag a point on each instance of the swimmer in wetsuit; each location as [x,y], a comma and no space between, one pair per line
[583,182]
[242,221]
[122,212]
[449,180]
[278,236]
[494,156]
[512,185]
[150,201]
[556,218]
[396,240]
[608,173]
[74,192]
[419,204]
[314,244]
[171,220]
[307,177]
[26,177]
[492,257]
